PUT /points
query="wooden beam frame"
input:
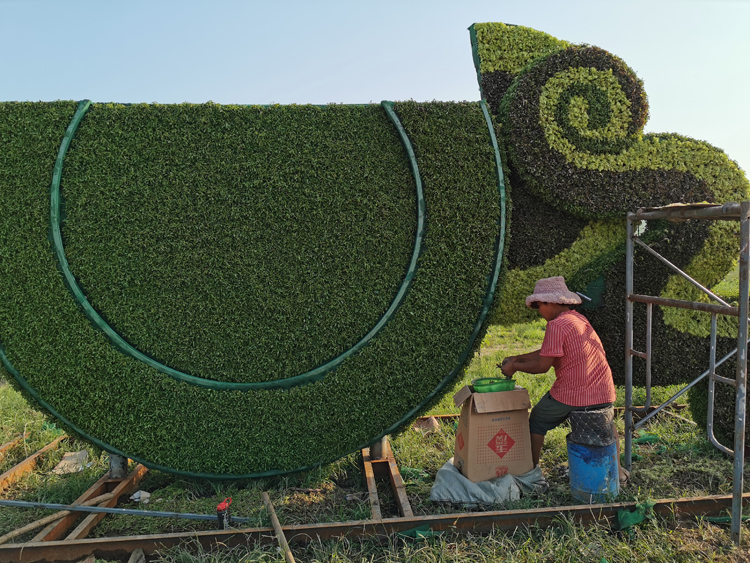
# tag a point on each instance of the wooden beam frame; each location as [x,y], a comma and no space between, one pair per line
[15,472]
[56,530]
[124,486]
[474,522]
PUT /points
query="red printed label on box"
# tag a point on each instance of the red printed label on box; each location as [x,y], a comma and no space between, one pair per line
[460,441]
[501,443]
[501,470]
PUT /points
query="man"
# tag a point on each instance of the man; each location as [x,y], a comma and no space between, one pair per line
[583,379]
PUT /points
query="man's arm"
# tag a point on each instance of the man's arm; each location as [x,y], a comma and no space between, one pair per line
[531,362]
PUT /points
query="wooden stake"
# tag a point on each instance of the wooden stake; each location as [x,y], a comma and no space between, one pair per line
[288,557]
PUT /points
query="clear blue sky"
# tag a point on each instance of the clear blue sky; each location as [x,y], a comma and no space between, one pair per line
[693,55]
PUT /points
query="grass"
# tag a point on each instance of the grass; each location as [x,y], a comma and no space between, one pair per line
[681,464]
[563,542]
[17,418]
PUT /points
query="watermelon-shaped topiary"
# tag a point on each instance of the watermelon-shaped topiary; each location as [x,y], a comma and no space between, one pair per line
[227,291]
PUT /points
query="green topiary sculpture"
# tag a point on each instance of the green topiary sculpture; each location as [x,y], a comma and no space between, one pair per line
[571,121]
[242,291]
[224,291]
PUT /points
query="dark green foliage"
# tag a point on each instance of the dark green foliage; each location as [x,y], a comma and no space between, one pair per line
[583,191]
[494,85]
[150,416]
[30,136]
[533,216]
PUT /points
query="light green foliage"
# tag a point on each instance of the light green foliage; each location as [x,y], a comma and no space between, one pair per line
[597,239]
[510,48]
[615,127]
[728,288]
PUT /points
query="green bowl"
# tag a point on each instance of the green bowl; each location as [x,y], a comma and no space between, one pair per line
[491,385]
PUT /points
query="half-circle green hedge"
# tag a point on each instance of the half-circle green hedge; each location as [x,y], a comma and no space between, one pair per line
[571,120]
[244,245]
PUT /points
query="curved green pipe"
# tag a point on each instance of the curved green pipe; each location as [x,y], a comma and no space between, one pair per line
[121,344]
[489,296]
[492,279]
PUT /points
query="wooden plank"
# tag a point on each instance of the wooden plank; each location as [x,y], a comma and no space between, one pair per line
[126,486]
[388,468]
[58,529]
[12,443]
[399,491]
[10,476]
[380,468]
[474,522]
[41,535]
[372,488]
[444,417]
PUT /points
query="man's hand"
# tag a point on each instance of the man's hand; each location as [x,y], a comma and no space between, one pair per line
[507,367]
[531,362]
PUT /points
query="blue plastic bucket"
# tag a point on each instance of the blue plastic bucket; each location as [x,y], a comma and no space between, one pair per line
[594,474]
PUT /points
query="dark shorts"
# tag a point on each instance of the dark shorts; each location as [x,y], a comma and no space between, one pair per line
[549,413]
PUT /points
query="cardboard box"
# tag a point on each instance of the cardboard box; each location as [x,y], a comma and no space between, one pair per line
[493,437]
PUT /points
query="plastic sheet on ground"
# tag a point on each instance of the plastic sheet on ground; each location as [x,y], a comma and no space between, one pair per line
[72,462]
[452,487]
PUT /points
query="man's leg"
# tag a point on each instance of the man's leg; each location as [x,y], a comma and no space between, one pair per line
[546,415]
[537,441]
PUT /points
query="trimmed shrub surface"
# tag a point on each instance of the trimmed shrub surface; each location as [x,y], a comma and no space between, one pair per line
[239,244]
[160,195]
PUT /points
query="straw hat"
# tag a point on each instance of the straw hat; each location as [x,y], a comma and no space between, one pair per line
[553,290]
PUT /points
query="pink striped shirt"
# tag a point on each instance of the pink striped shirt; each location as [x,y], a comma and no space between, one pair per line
[582,374]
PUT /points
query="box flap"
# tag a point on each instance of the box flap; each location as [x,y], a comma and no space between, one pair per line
[462,395]
[501,401]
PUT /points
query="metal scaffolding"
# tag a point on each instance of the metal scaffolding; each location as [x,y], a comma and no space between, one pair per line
[727,212]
